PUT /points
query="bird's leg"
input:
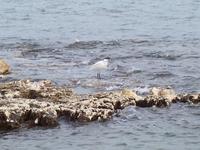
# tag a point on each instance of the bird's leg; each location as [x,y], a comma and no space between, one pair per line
[98,76]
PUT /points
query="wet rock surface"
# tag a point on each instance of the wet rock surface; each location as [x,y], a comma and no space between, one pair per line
[26,103]
[4,67]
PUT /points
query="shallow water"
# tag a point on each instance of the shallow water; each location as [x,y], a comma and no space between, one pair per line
[150,44]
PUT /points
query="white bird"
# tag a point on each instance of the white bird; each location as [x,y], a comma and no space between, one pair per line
[100,66]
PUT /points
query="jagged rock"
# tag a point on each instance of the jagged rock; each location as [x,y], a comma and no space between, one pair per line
[41,103]
[158,97]
[6,123]
[27,103]
[188,98]
[4,67]
[33,90]
[151,101]
[167,93]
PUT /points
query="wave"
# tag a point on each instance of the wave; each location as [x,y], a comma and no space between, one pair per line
[95,44]
[162,55]
[163,74]
[84,45]
[120,48]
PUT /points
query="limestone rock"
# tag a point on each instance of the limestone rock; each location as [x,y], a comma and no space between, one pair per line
[4,67]
[151,101]
[188,98]
[28,103]
[130,94]
[167,93]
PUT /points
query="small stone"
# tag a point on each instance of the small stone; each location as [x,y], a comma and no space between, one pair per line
[4,67]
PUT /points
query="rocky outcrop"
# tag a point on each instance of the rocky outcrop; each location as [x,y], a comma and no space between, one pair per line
[187,98]
[41,104]
[4,67]
[28,104]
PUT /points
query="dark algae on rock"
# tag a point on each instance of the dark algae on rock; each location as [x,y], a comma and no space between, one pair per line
[28,103]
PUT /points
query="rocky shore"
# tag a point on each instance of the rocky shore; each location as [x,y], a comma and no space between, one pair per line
[27,103]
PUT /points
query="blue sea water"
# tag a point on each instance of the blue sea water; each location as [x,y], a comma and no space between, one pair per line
[151,43]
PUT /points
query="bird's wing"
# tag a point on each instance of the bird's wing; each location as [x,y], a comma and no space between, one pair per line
[98,65]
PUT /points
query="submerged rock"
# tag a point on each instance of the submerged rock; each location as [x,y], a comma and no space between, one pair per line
[4,67]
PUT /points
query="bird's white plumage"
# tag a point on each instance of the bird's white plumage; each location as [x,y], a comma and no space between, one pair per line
[100,65]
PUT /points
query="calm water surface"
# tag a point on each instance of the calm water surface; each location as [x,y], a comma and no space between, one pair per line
[151,43]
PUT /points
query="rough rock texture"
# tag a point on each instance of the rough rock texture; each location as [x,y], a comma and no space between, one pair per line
[28,104]
[41,104]
[4,67]
[187,98]
[167,93]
